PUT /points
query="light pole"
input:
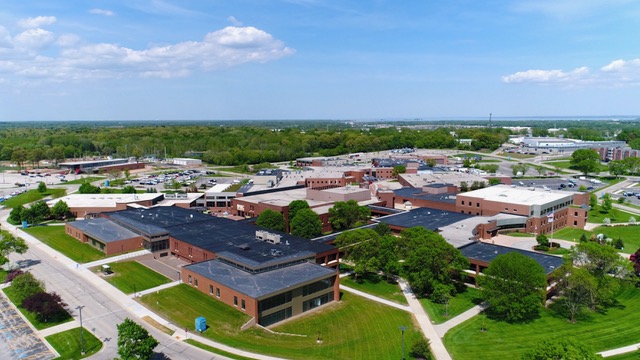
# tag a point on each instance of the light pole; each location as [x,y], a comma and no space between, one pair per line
[403,328]
[79,308]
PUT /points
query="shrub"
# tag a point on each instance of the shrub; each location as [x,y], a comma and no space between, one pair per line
[420,349]
[26,285]
[48,307]
[12,275]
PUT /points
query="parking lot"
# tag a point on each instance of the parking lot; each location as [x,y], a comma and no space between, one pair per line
[568,184]
[18,340]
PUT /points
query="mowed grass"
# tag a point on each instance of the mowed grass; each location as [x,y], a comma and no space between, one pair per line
[56,238]
[615,327]
[628,234]
[354,328]
[597,216]
[31,196]
[439,313]
[83,180]
[520,234]
[634,355]
[376,285]
[68,344]
[129,274]
[31,317]
[215,351]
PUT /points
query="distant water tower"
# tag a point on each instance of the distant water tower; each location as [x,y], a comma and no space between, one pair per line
[490,119]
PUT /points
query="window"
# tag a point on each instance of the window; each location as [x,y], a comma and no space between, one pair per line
[477,204]
[235,301]
[189,279]
[244,305]
[210,289]
[195,282]
[462,202]
[217,292]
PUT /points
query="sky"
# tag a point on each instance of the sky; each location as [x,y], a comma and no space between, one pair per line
[317,59]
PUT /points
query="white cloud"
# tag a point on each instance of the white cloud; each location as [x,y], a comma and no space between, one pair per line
[101,12]
[5,38]
[34,38]
[616,73]
[36,22]
[70,59]
[234,21]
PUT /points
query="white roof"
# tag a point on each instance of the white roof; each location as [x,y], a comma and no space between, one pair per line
[517,195]
[218,188]
[102,200]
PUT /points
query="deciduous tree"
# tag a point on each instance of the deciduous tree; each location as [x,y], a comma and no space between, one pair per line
[26,285]
[134,341]
[514,286]
[346,214]
[561,349]
[60,210]
[295,206]
[270,219]
[577,288]
[48,307]
[306,223]
[585,160]
[10,244]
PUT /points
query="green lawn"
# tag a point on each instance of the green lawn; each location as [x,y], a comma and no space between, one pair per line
[31,317]
[128,274]
[3,275]
[57,239]
[439,313]
[354,328]
[634,355]
[615,327]
[520,234]
[84,180]
[628,234]
[570,234]
[377,285]
[215,351]
[31,196]
[597,215]
[68,344]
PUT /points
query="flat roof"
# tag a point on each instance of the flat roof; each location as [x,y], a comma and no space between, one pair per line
[261,285]
[428,218]
[103,200]
[218,188]
[517,195]
[487,252]
[417,193]
[425,178]
[103,229]
[89,162]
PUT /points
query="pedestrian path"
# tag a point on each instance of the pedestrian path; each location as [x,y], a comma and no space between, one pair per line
[437,346]
[622,350]
[157,288]
[442,329]
[376,298]
[115,258]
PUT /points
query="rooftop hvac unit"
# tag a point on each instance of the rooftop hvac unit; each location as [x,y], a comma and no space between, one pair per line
[261,234]
[273,238]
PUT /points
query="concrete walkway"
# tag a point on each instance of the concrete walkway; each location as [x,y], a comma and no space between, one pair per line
[442,329]
[437,346]
[157,288]
[375,298]
[115,258]
[622,350]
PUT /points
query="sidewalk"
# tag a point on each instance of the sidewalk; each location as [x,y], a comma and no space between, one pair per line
[622,350]
[442,329]
[375,298]
[437,346]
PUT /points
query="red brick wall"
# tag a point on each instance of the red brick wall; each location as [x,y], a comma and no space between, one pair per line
[189,252]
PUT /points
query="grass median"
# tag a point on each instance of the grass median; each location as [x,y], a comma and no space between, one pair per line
[439,313]
[628,234]
[31,317]
[130,276]
[354,328]
[376,285]
[56,238]
[68,344]
[608,329]
[31,196]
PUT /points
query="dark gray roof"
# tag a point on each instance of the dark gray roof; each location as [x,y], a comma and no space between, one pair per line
[487,252]
[261,285]
[429,218]
[103,230]
[385,209]
[416,193]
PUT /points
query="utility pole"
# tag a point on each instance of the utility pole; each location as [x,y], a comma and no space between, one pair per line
[79,308]
[403,328]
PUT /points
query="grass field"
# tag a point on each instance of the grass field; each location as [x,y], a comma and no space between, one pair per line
[596,215]
[68,344]
[628,234]
[3,275]
[215,351]
[365,335]
[609,329]
[570,234]
[520,234]
[129,274]
[31,317]
[377,285]
[31,196]
[84,180]
[57,239]
[634,355]
[439,313]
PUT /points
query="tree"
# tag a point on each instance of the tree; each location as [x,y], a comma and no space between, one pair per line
[36,213]
[464,187]
[420,349]
[607,202]
[577,289]
[48,307]
[593,200]
[129,190]
[295,206]
[397,170]
[361,247]
[60,210]
[514,286]
[26,285]
[15,216]
[10,244]
[42,187]
[382,229]
[306,223]
[585,160]
[87,188]
[431,261]
[542,240]
[134,341]
[271,220]
[617,168]
[561,349]
[346,214]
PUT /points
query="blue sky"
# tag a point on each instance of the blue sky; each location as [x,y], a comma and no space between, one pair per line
[317,59]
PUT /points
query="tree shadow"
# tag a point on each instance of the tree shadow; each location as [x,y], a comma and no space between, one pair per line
[22,264]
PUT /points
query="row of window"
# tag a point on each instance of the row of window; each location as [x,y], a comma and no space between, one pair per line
[471,203]
[194,282]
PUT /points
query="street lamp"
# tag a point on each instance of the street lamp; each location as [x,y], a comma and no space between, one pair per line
[402,328]
[79,308]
